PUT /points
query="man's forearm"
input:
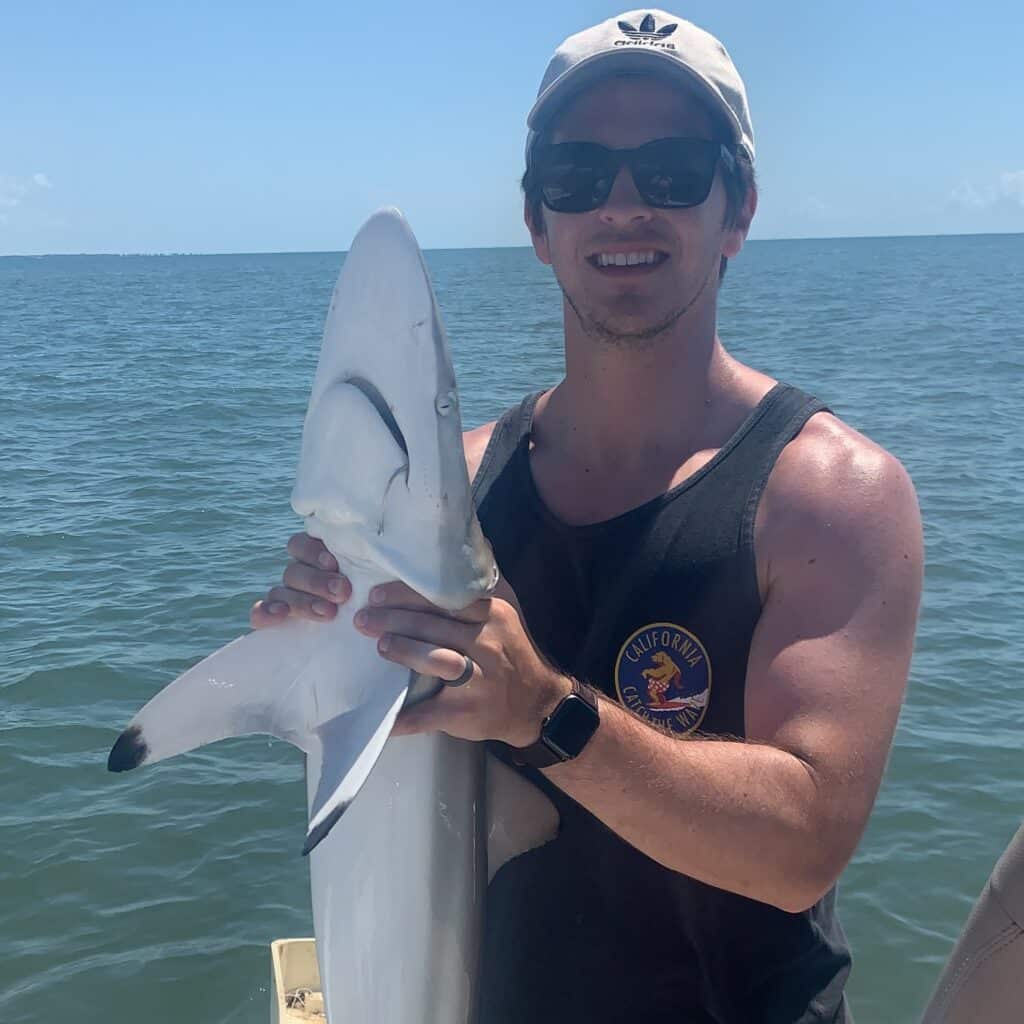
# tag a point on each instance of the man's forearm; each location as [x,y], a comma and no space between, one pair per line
[740,816]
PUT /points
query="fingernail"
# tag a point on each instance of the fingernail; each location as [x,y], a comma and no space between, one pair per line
[361,618]
[336,586]
[276,607]
[321,607]
[377,595]
[384,644]
[326,560]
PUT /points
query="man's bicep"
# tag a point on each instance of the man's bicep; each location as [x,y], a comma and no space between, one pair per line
[829,657]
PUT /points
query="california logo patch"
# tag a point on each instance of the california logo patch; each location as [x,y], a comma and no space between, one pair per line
[663,674]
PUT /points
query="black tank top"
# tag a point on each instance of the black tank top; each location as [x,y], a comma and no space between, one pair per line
[656,608]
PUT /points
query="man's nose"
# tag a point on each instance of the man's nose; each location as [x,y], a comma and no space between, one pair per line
[625,204]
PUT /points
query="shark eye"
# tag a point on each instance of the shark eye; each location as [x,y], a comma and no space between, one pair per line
[446,403]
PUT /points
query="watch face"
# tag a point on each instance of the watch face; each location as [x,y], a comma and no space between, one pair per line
[571,725]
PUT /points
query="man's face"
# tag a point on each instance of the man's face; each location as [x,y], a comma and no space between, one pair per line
[633,305]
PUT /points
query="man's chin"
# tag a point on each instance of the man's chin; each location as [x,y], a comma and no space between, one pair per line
[627,319]
[618,328]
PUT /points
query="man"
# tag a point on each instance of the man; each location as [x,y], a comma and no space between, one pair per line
[732,570]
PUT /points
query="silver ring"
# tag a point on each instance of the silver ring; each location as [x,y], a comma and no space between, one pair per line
[467,673]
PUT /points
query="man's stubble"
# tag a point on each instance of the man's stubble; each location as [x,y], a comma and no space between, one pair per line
[605,332]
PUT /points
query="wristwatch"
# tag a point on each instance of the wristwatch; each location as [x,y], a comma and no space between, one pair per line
[565,732]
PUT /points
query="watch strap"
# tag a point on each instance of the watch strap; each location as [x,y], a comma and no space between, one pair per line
[546,750]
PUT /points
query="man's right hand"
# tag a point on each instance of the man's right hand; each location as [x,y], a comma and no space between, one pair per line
[312,587]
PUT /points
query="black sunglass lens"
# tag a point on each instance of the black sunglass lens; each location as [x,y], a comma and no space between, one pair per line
[575,189]
[573,180]
[676,172]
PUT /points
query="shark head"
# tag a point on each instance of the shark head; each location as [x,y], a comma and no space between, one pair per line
[382,476]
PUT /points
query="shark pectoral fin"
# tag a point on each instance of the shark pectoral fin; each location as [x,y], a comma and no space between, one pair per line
[253,685]
[346,418]
[519,816]
[349,747]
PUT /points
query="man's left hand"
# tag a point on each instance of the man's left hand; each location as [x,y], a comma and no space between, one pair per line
[512,687]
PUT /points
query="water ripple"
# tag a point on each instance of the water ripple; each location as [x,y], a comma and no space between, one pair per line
[148,437]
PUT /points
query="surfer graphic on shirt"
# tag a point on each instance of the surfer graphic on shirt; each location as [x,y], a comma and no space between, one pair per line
[662,679]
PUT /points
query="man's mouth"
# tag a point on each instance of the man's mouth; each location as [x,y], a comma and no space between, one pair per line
[634,261]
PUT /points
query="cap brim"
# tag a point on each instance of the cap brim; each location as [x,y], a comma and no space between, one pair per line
[626,61]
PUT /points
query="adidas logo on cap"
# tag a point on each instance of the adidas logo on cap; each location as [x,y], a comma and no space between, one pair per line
[647,29]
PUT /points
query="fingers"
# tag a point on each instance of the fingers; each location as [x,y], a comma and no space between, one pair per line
[304,548]
[281,602]
[425,658]
[432,627]
[312,588]
[399,595]
[266,613]
[330,586]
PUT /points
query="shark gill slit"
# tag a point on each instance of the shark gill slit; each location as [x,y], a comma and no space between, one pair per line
[376,399]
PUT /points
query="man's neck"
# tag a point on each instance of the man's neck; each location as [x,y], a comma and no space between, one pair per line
[639,402]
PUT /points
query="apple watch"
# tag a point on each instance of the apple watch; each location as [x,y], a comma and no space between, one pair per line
[564,733]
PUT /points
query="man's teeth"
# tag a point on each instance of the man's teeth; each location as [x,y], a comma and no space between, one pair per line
[624,259]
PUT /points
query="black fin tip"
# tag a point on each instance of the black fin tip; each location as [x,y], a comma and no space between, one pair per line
[319,834]
[128,752]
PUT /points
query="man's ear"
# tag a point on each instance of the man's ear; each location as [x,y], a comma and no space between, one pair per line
[538,233]
[736,235]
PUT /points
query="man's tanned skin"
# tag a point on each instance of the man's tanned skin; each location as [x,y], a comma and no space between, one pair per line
[837,540]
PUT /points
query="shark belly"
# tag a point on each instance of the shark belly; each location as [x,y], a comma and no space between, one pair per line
[398,889]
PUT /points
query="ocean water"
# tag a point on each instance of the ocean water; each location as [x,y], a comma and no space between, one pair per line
[150,415]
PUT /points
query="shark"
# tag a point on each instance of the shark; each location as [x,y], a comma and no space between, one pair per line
[398,890]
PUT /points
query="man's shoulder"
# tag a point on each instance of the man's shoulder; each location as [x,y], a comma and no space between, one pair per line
[833,485]
[831,462]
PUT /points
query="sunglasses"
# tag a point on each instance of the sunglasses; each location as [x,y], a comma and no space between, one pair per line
[669,174]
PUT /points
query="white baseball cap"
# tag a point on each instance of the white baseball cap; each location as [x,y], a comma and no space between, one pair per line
[646,42]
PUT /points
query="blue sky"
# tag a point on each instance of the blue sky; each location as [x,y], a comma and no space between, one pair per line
[244,127]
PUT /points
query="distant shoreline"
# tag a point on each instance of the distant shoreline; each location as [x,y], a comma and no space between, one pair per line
[487,248]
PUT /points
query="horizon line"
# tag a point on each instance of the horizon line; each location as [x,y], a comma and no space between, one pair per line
[471,248]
